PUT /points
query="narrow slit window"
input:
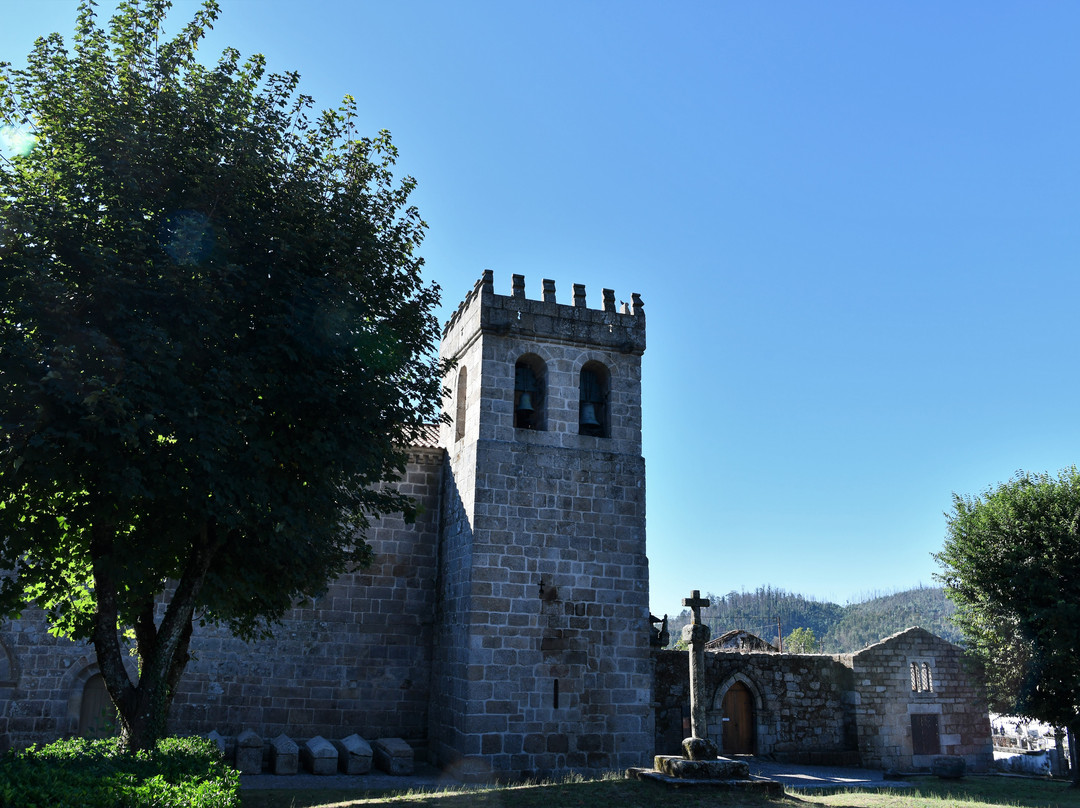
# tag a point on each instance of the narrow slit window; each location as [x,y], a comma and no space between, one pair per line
[459,413]
[555,695]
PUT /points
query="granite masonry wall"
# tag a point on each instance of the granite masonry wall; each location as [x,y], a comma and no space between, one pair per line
[507,631]
[847,709]
[358,659]
[542,645]
[943,703]
[803,703]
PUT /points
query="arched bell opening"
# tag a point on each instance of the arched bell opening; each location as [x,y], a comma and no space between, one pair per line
[594,389]
[529,389]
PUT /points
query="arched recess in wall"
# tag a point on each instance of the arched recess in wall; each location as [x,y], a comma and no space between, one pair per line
[735,714]
[530,388]
[460,404]
[594,388]
[9,674]
[76,681]
[97,715]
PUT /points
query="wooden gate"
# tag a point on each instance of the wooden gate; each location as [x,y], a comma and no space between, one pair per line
[738,712]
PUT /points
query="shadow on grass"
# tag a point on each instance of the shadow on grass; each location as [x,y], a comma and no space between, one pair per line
[612,793]
[970,792]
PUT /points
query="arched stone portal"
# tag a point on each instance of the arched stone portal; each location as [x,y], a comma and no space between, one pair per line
[734,716]
[97,716]
[737,736]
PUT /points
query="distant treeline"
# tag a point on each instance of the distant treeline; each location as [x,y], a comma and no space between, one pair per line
[839,629]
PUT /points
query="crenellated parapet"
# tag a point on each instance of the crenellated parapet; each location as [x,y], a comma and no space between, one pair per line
[621,329]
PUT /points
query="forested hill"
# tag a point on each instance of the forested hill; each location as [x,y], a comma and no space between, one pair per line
[839,629]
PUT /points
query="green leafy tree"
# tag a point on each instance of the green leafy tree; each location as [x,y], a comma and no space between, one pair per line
[1011,563]
[214,340]
[802,641]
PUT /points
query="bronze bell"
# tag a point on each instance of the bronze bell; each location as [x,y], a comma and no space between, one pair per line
[525,402]
[588,414]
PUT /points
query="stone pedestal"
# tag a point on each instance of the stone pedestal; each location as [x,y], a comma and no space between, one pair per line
[699,749]
[721,773]
[715,769]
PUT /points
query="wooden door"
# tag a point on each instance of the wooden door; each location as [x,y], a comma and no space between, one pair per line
[738,710]
[925,739]
[97,716]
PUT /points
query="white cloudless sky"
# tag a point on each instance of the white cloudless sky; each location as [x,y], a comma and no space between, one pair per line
[853,225]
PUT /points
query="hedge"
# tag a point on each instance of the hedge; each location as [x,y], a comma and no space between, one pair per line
[81,773]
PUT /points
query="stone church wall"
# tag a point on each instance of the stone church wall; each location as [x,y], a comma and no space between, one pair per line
[507,632]
[356,660]
[943,702]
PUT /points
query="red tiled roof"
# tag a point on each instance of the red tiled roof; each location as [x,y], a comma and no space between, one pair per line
[428,437]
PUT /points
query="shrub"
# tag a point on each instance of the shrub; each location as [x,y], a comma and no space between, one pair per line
[80,773]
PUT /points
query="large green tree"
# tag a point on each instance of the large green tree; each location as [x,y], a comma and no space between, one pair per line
[214,340]
[1011,563]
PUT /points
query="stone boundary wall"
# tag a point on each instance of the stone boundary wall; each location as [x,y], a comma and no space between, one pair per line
[803,706]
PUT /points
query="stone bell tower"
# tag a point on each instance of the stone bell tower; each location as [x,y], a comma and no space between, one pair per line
[542,659]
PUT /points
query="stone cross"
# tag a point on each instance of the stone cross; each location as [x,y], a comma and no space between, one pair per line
[696,604]
[698,746]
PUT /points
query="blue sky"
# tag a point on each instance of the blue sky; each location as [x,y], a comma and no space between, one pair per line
[853,225]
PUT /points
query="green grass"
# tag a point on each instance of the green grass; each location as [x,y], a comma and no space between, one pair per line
[971,792]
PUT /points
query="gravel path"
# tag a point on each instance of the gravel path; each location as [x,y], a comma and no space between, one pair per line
[794,776]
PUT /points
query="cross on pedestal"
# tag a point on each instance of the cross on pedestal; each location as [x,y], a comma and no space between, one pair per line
[696,604]
[697,746]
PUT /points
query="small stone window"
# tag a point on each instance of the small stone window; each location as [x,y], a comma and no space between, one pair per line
[922,677]
[529,392]
[459,413]
[593,400]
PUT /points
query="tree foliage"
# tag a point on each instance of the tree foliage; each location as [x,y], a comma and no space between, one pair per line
[837,629]
[802,641]
[1011,563]
[214,340]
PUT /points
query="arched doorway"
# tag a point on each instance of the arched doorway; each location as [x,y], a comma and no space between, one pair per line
[97,716]
[738,718]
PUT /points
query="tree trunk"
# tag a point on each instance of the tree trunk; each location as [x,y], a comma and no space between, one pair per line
[143,708]
[1074,753]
